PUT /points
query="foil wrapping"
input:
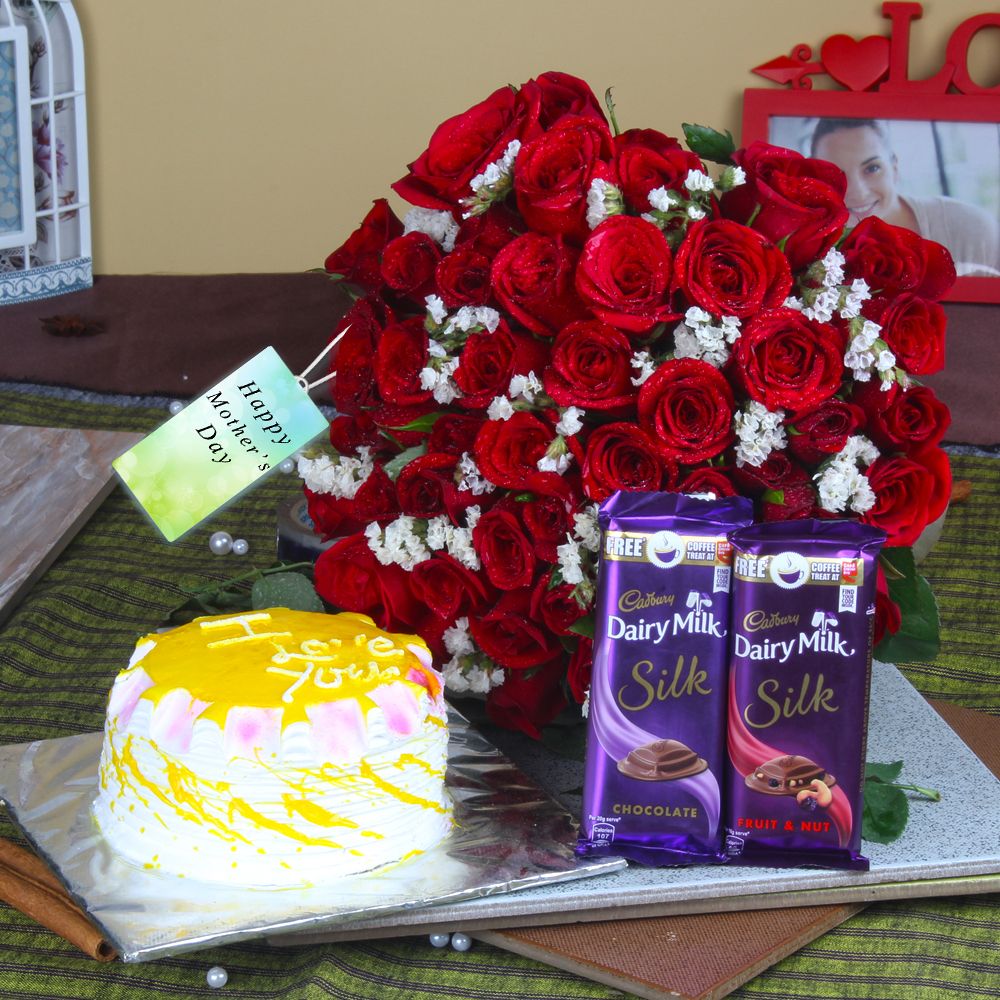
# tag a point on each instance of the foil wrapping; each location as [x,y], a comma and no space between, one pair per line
[509,834]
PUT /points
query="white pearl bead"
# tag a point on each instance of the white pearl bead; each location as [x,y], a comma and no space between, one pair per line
[287,467]
[440,940]
[221,543]
[461,942]
[175,407]
[241,547]
[217,977]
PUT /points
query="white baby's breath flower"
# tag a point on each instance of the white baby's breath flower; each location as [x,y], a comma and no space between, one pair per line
[854,299]
[570,422]
[759,431]
[500,408]
[840,483]
[697,337]
[698,180]
[643,363]
[472,479]
[438,529]
[340,477]
[586,528]
[833,268]
[471,316]
[570,561]
[436,308]
[555,463]
[663,200]
[794,302]
[824,305]
[696,212]
[585,707]
[525,387]
[603,200]
[439,226]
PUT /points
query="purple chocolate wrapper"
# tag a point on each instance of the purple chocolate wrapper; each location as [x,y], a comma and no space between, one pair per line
[803,608]
[656,728]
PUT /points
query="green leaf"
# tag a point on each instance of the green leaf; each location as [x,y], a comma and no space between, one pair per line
[285,590]
[583,626]
[395,466]
[424,423]
[710,144]
[610,105]
[918,638]
[885,814]
[883,772]
[773,496]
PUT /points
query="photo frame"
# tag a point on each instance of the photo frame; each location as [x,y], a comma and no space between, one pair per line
[952,145]
[17,190]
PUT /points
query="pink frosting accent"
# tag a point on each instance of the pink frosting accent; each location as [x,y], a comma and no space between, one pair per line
[339,733]
[173,720]
[422,654]
[250,731]
[415,676]
[400,707]
[125,695]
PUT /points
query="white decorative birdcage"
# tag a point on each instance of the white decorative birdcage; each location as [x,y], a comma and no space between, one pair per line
[44,182]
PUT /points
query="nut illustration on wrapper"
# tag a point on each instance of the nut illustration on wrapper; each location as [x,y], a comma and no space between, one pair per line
[790,774]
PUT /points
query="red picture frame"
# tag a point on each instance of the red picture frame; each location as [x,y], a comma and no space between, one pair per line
[761,106]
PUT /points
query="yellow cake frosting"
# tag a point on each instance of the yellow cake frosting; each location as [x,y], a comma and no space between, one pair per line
[274,748]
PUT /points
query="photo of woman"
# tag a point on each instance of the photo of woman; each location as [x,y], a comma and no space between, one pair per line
[939,179]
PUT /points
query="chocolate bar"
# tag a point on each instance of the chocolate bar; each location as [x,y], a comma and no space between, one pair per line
[656,728]
[803,609]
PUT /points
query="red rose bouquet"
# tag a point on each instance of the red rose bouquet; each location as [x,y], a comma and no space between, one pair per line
[570,310]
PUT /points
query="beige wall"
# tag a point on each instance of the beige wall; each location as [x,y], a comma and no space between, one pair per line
[237,135]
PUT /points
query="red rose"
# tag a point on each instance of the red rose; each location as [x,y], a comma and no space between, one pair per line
[504,549]
[624,274]
[354,386]
[647,159]
[914,330]
[426,488]
[784,488]
[399,358]
[408,265]
[509,635]
[560,94]
[730,270]
[489,232]
[454,433]
[894,260]
[463,277]
[532,278]
[488,361]
[623,457]
[687,407]
[824,431]
[887,614]
[789,197]
[528,701]
[555,606]
[358,259]
[349,433]
[375,500]
[579,670]
[348,576]
[591,366]
[547,522]
[553,176]
[902,420]
[909,494]
[707,479]
[463,146]
[507,453]
[787,361]
[447,587]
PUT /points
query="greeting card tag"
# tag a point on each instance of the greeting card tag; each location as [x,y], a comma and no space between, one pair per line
[222,442]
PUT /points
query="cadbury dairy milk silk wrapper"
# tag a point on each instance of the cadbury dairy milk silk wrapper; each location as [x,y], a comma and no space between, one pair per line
[800,665]
[656,728]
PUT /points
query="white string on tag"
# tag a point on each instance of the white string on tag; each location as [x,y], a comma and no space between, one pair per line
[301,379]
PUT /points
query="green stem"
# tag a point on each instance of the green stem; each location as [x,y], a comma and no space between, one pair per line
[249,575]
[610,104]
[930,793]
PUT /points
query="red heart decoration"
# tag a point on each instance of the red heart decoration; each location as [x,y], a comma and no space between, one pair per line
[858,65]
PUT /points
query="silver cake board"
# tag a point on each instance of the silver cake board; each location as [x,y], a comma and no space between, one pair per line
[508,834]
[949,848]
